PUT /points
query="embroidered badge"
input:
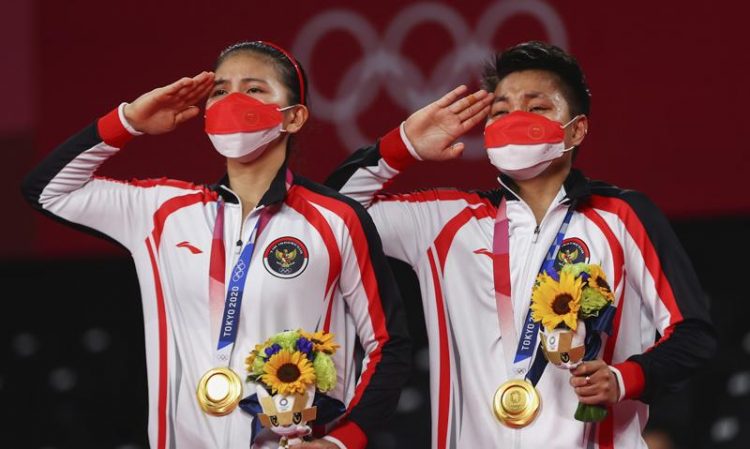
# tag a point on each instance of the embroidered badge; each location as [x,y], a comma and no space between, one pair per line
[286,257]
[572,250]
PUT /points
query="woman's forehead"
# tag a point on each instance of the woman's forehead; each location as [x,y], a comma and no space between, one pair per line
[246,65]
[537,81]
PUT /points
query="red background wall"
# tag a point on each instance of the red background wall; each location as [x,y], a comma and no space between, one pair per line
[668,83]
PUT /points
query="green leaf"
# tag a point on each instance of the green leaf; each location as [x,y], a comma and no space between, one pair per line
[590,413]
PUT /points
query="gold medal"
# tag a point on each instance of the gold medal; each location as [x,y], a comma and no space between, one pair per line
[219,391]
[516,403]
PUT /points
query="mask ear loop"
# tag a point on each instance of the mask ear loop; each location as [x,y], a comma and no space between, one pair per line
[568,124]
[572,120]
[286,109]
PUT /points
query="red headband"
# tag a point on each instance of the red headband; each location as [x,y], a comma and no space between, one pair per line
[296,67]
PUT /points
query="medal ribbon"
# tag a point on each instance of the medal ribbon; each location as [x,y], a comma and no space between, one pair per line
[506,318]
[228,305]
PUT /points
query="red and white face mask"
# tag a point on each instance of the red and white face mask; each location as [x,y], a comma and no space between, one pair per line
[523,144]
[241,127]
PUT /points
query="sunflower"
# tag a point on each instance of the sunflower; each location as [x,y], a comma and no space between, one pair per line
[554,302]
[598,280]
[322,341]
[288,373]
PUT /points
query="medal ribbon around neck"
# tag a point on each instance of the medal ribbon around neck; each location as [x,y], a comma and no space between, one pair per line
[224,304]
[516,358]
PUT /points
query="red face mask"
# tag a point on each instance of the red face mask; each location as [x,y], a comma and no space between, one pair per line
[523,144]
[239,125]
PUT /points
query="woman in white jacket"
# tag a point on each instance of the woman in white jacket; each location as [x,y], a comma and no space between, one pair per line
[225,266]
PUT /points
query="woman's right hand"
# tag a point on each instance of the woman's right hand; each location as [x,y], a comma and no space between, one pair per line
[162,109]
[433,130]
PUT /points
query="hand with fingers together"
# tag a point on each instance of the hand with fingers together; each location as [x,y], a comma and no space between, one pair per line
[164,108]
[433,130]
[595,383]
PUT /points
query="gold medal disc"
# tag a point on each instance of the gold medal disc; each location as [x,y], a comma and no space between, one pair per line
[516,403]
[219,391]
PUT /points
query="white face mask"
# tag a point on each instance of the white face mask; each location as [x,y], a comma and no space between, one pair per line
[241,127]
[522,144]
[245,146]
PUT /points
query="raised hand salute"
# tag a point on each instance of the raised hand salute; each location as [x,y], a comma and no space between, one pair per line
[433,130]
[164,108]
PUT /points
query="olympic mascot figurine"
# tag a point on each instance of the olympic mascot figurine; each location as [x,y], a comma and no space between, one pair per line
[574,305]
[287,414]
[292,370]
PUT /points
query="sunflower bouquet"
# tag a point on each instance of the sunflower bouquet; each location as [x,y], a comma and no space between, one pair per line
[292,370]
[574,307]
[291,361]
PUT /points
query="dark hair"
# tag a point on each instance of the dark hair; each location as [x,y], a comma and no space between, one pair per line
[536,55]
[290,71]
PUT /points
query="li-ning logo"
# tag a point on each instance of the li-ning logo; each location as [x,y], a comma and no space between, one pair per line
[382,64]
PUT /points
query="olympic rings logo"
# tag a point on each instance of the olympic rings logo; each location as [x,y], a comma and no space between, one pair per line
[239,270]
[382,65]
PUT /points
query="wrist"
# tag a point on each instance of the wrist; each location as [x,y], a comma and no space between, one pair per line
[124,112]
[112,130]
[407,142]
[631,380]
[394,151]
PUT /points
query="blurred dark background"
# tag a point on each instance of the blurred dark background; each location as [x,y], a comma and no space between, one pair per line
[669,93]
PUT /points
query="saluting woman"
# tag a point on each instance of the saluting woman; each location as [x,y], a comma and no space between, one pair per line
[222,267]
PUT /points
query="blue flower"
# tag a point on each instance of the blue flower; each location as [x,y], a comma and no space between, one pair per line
[273,349]
[305,346]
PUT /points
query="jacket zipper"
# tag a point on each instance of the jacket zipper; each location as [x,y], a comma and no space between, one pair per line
[238,244]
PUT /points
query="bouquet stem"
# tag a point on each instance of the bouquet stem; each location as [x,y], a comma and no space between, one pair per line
[590,413]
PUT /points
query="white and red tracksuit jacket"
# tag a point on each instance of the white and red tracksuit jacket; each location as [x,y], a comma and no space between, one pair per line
[446,236]
[343,286]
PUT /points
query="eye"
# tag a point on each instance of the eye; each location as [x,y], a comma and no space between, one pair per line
[539,109]
[499,112]
[274,420]
[218,92]
[255,90]
[297,418]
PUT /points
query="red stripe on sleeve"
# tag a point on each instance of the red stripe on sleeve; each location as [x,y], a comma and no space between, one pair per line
[159,182]
[370,284]
[112,131]
[437,195]
[350,434]
[394,151]
[633,379]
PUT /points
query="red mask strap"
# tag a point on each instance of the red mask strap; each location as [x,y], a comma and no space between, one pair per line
[296,68]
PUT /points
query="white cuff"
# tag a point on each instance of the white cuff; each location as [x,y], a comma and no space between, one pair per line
[124,121]
[335,441]
[620,383]
[408,144]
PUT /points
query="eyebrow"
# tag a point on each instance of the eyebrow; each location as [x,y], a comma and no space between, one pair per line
[529,95]
[220,81]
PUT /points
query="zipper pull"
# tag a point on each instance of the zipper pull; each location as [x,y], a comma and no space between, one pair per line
[536,234]
[238,247]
